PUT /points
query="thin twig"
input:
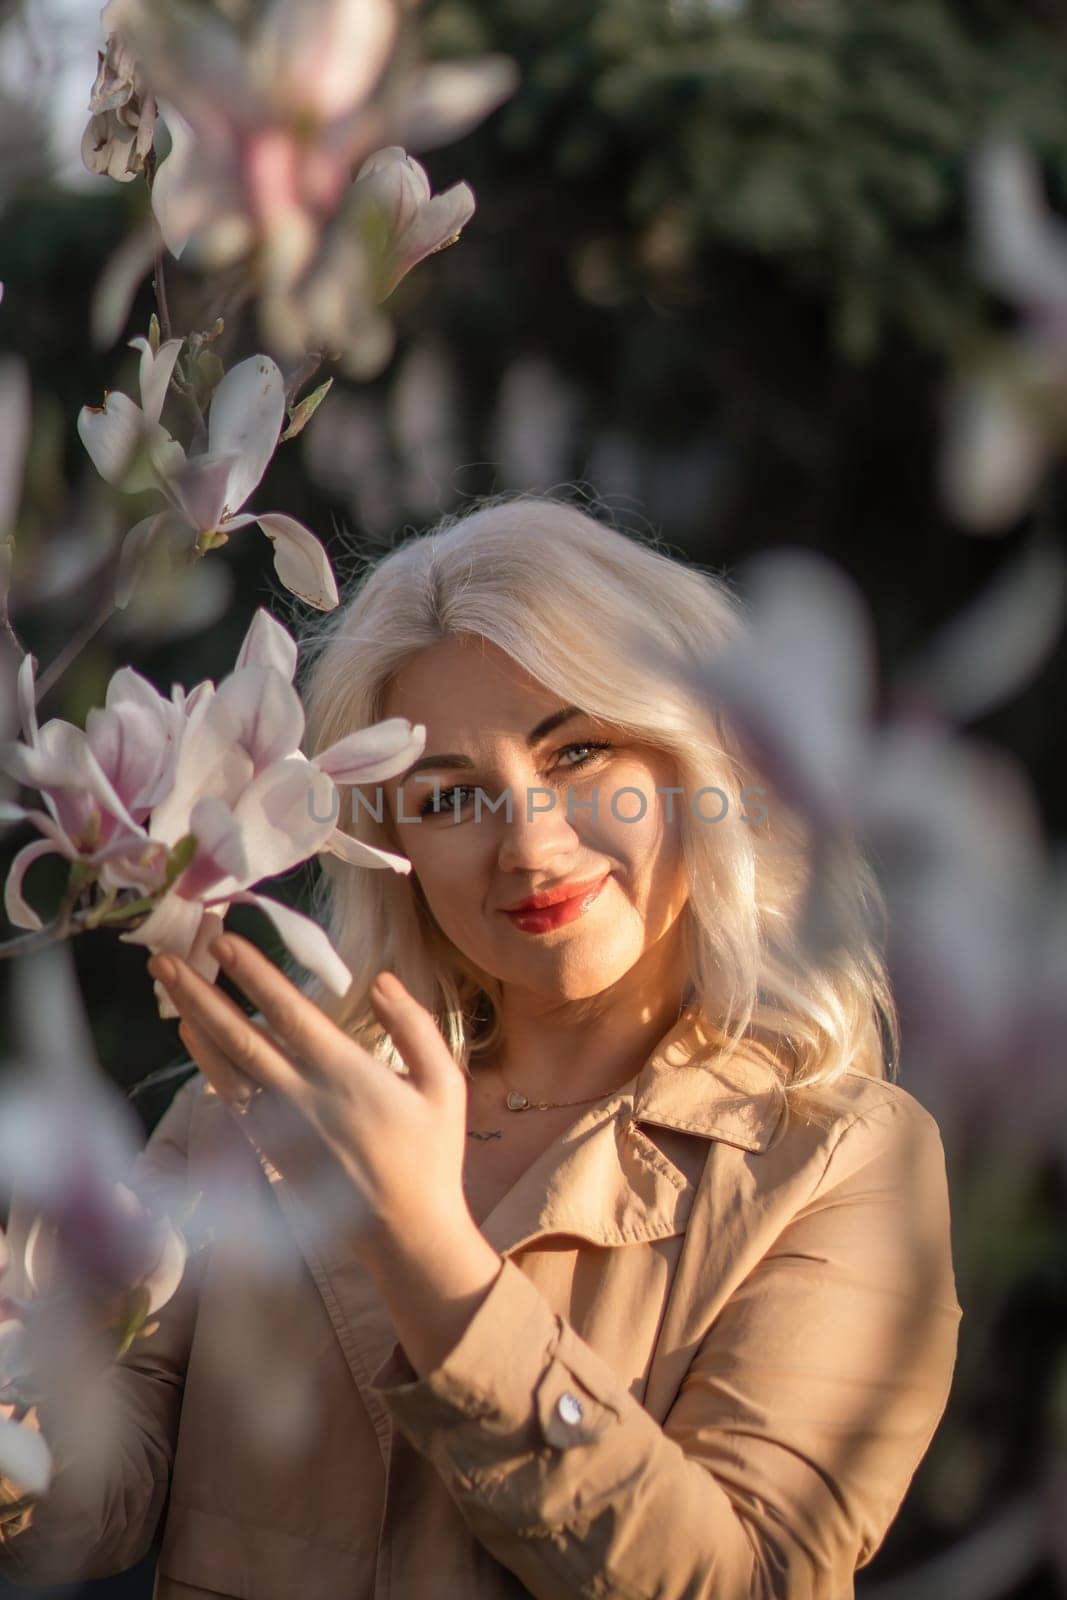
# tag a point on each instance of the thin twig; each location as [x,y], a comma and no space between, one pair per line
[73,647]
[159,284]
[25,944]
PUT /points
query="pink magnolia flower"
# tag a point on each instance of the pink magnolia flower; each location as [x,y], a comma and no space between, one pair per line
[191,801]
[256,806]
[270,124]
[950,821]
[98,785]
[205,492]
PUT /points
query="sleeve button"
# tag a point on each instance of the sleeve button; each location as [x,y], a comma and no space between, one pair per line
[569,1409]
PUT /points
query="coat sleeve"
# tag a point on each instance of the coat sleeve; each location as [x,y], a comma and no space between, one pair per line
[810,1400]
[100,1512]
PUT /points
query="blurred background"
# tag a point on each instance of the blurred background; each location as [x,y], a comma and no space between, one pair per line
[719,286]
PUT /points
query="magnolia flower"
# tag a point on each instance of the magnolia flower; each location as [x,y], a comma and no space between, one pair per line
[390,223]
[98,785]
[950,823]
[189,802]
[205,492]
[86,1259]
[1005,415]
[127,443]
[393,191]
[120,132]
[253,805]
[269,124]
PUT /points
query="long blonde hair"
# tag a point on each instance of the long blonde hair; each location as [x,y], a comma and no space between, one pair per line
[568,598]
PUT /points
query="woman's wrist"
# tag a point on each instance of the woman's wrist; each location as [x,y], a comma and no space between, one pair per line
[433,1272]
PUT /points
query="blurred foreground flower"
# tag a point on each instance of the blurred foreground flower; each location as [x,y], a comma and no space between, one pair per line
[205,492]
[949,821]
[169,809]
[85,1261]
[269,121]
[1007,411]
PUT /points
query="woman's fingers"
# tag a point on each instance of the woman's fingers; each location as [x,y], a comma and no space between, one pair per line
[244,1047]
[299,1026]
[230,1085]
[415,1034]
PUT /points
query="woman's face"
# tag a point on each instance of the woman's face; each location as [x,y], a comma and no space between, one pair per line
[489,745]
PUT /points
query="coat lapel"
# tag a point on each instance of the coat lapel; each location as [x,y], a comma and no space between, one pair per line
[605,1180]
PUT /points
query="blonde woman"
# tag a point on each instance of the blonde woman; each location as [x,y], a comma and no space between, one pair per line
[618,1264]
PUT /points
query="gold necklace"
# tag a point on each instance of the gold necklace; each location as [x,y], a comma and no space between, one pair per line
[515,1100]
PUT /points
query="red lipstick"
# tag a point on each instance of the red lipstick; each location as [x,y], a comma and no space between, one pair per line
[552,908]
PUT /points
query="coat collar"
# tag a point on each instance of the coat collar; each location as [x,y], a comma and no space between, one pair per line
[604,1179]
[685,1084]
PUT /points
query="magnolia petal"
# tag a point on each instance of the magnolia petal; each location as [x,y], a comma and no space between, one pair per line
[994,454]
[19,912]
[157,368]
[61,762]
[268,644]
[220,851]
[27,698]
[358,854]
[327,58]
[112,434]
[370,754]
[267,718]
[443,102]
[171,926]
[246,419]
[1021,244]
[304,939]
[203,489]
[439,223]
[24,1457]
[991,649]
[300,561]
[176,202]
[171,526]
[285,816]
[126,448]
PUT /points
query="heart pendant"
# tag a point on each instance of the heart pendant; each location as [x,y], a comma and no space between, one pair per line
[516,1101]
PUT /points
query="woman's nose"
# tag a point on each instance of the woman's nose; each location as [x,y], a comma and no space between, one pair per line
[538,831]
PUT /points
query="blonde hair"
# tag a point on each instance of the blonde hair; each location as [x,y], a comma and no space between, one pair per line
[572,601]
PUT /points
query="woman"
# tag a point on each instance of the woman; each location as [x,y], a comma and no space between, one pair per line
[633,1278]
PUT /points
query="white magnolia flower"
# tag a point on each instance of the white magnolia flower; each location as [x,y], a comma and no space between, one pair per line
[205,492]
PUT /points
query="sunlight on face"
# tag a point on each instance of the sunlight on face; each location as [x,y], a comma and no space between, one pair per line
[472,862]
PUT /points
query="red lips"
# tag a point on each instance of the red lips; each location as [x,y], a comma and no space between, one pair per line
[551,897]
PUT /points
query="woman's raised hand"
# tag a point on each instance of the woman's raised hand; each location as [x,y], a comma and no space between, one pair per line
[399,1140]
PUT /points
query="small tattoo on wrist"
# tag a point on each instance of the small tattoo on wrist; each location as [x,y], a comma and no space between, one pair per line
[490,1133]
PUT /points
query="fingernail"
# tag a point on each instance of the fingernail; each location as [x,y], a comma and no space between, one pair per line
[224,950]
[163,969]
[388,985]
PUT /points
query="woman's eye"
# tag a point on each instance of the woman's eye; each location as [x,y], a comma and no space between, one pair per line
[442,801]
[593,745]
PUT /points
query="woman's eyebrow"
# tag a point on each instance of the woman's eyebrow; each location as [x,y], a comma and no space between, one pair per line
[452,759]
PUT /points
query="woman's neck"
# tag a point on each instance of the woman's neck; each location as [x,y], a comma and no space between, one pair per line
[549,1052]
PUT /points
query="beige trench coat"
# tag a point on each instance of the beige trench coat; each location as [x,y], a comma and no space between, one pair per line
[716,1352]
